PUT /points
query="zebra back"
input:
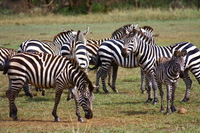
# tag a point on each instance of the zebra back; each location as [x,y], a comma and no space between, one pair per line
[65,36]
[46,46]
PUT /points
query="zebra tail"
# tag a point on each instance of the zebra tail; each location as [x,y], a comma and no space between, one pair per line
[6,66]
[97,63]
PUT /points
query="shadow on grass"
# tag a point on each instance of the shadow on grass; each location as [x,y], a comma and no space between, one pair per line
[50,121]
[134,112]
[123,103]
[39,99]
[19,95]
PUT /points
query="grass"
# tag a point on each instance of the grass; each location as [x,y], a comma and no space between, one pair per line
[125,112]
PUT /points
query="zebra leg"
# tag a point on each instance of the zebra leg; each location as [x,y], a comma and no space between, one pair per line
[149,88]
[173,109]
[28,90]
[97,79]
[40,89]
[70,94]
[155,86]
[11,94]
[103,79]
[161,96]
[168,98]
[76,99]
[114,77]
[142,86]
[188,83]
[57,100]
[109,76]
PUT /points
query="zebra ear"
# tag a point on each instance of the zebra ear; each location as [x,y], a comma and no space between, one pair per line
[86,31]
[176,53]
[135,26]
[127,32]
[184,52]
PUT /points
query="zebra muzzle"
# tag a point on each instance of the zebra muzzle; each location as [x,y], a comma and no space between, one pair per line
[88,114]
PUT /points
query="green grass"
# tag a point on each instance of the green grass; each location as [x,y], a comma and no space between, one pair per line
[125,112]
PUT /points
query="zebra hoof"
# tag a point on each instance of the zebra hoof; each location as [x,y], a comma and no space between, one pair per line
[149,100]
[80,120]
[185,100]
[173,109]
[57,119]
[106,92]
[167,113]
[14,118]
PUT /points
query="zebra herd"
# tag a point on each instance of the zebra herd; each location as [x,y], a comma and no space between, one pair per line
[64,63]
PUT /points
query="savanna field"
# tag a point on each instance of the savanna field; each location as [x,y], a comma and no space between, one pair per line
[125,112]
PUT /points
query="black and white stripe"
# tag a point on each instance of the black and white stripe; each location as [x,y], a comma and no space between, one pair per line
[49,71]
[167,71]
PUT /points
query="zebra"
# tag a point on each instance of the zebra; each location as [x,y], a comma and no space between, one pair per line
[146,59]
[49,71]
[77,50]
[45,46]
[109,55]
[167,71]
[5,54]
[93,46]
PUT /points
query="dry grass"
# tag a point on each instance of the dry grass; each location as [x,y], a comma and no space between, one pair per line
[113,16]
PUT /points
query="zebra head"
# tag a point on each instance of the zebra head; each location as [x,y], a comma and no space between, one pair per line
[179,58]
[130,44]
[81,36]
[86,99]
[122,31]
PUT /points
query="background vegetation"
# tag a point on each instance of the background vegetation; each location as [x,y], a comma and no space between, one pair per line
[74,7]
[125,112]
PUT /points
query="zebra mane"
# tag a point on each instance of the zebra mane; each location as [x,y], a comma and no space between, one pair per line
[142,36]
[121,29]
[63,33]
[147,28]
[76,64]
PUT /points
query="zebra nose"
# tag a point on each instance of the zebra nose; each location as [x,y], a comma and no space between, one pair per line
[124,53]
[88,114]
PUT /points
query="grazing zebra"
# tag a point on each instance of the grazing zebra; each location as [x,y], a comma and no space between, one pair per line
[5,54]
[109,55]
[167,72]
[147,59]
[49,71]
